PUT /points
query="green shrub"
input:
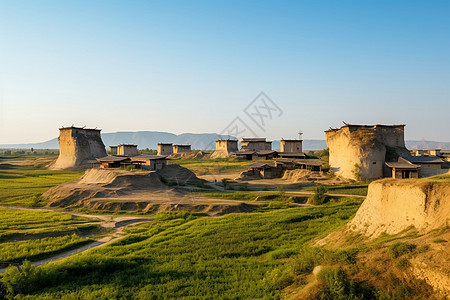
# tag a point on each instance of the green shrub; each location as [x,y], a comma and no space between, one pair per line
[439,241]
[171,215]
[402,263]
[278,280]
[338,286]
[398,249]
[282,253]
[319,195]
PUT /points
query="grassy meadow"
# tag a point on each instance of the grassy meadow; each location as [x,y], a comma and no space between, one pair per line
[34,234]
[14,219]
[237,256]
[22,185]
[179,255]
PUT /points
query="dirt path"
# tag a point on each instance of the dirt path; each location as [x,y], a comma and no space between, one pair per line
[115,223]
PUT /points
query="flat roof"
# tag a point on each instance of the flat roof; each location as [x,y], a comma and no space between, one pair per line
[402,165]
[246,152]
[260,165]
[253,139]
[165,143]
[291,154]
[148,157]
[127,145]
[265,152]
[365,126]
[423,159]
[180,145]
[307,162]
[111,158]
[83,128]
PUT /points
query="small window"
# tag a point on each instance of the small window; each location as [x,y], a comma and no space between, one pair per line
[374,163]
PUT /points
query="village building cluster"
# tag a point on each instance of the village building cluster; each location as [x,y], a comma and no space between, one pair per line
[355,152]
[290,156]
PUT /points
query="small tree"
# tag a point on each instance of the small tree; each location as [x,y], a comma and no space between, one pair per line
[225,183]
[281,190]
[319,196]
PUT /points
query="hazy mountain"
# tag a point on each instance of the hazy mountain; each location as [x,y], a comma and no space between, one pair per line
[149,139]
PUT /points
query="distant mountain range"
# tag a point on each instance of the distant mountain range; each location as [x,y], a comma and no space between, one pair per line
[203,141]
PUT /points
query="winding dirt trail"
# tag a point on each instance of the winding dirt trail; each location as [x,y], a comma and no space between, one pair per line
[115,223]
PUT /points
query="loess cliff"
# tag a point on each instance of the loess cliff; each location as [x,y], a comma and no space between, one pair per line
[394,205]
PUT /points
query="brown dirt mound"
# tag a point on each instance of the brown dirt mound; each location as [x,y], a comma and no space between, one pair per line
[101,183]
[247,175]
[116,190]
[303,175]
[175,174]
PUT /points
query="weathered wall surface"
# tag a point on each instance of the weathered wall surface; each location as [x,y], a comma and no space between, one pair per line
[291,146]
[165,149]
[365,146]
[224,148]
[77,146]
[393,205]
[427,170]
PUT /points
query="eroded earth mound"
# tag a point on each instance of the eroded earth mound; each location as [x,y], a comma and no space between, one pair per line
[394,205]
[147,191]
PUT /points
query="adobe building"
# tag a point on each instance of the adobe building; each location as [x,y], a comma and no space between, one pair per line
[291,146]
[111,161]
[403,170]
[78,146]
[150,162]
[360,151]
[181,148]
[127,150]
[265,155]
[261,171]
[113,150]
[255,144]
[227,145]
[427,165]
[224,148]
[165,149]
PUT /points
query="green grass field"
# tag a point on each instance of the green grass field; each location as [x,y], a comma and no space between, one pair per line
[180,256]
[347,189]
[33,234]
[39,248]
[23,185]
[13,219]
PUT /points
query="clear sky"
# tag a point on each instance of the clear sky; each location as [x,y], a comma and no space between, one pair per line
[193,66]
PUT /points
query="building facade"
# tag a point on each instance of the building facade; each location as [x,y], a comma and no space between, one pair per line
[255,144]
[360,151]
[127,150]
[181,148]
[291,146]
[165,149]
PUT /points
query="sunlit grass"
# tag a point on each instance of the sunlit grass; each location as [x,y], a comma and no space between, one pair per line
[23,185]
[181,256]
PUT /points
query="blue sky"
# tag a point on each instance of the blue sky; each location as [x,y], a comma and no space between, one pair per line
[193,66]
